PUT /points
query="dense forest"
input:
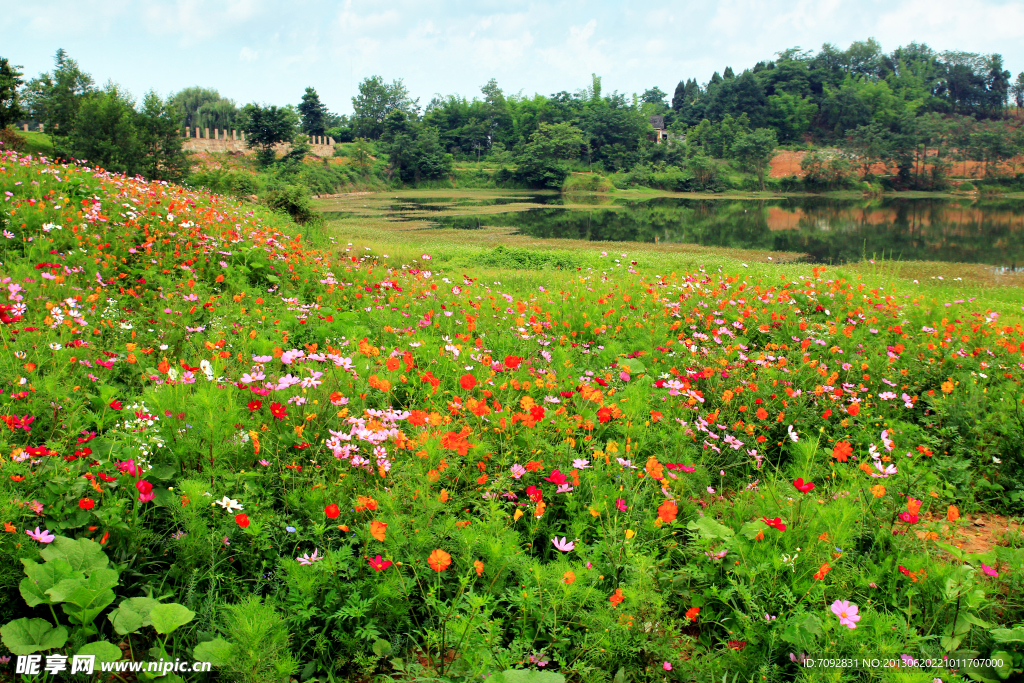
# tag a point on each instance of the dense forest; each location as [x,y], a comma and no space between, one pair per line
[913,112]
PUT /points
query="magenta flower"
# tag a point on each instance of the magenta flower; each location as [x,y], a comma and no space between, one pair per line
[41,536]
[621,505]
[563,545]
[988,571]
[847,613]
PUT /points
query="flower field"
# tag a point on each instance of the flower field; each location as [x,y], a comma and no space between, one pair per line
[221,442]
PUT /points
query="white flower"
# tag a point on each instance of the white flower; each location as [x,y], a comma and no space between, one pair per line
[792,434]
[229,504]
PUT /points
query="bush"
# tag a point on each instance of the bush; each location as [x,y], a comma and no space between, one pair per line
[587,182]
[10,140]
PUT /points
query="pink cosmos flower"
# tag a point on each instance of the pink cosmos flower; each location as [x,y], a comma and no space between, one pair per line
[310,559]
[621,505]
[41,536]
[518,471]
[847,613]
[563,545]
[988,571]
[667,666]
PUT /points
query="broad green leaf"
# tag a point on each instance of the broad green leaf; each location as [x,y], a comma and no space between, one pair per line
[709,528]
[1003,661]
[1008,635]
[217,651]
[164,498]
[41,578]
[27,636]
[167,617]
[381,647]
[162,472]
[104,651]
[132,614]
[83,555]
[802,630]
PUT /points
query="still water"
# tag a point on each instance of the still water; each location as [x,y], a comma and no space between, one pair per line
[826,230]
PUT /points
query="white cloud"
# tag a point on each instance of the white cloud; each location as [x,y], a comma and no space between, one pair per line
[247,54]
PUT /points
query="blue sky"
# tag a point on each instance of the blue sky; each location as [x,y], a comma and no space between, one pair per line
[268,51]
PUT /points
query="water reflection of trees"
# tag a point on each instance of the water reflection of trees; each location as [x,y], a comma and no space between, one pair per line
[829,230]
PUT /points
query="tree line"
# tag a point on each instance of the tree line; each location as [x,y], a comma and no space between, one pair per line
[913,110]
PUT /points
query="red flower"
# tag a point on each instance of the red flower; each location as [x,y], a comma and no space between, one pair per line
[278,411]
[87,503]
[116,405]
[534,493]
[853,409]
[537,413]
[144,487]
[332,511]
[242,520]
[803,486]
[604,415]
[467,381]
[556,478]
[737,645]
[692,613]
[379,563]
[775,523]
[512,362]
[106,477]
[254,406]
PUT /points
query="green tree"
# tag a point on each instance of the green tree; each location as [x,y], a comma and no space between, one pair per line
[867,145]
[312,113]
[1017,90]
[267,126]
[205,108]
[10,81]
[104,132]
[539,164]
[53,98]
[654,95]
[754,150]
[375,102]
[160,152]
[414,150]
[790,115]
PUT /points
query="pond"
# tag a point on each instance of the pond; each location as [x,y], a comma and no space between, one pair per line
[827,230]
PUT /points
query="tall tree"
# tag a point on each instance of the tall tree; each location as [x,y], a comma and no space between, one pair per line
[312,113]
[53,98]
[375,102]
[10,81]
[755,150]
[1017,90]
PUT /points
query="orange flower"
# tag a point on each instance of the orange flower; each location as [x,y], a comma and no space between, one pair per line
[824,569]
[913,505]
[866,467]
[947,387]
[393,364]
[444,496]
[617,597]
[667,511]
[479,566]
[568,578]
[654,468]
[439,560]
[878,490]
[539,512]
[853,409]
[377,529]
[692,613]
[467,381]
[953,513]
[762,414]
[842,451]
[9,528]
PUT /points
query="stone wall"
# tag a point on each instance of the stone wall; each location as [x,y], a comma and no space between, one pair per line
[223,140]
